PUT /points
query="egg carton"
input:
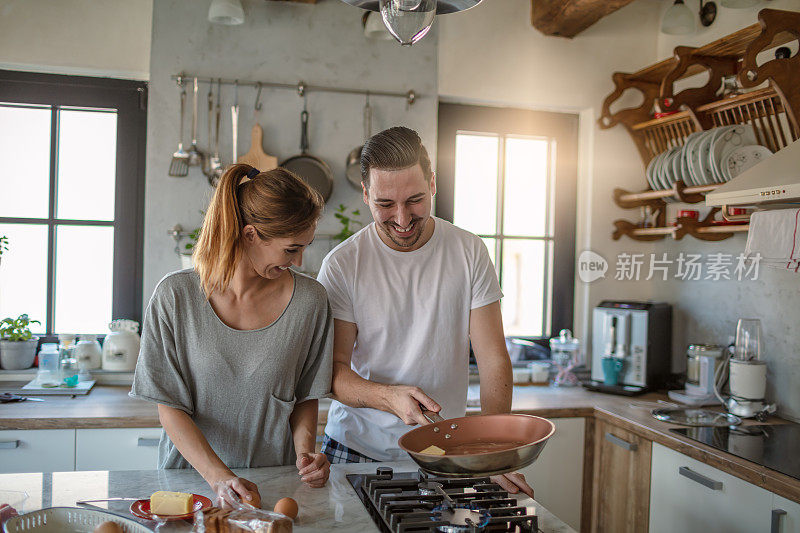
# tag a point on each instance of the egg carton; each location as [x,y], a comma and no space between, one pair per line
[69,520]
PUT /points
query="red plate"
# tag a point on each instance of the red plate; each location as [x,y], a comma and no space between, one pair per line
[141,508]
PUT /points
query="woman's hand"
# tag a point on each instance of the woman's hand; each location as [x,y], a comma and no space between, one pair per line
[233,489]
[6,512]
[314,469]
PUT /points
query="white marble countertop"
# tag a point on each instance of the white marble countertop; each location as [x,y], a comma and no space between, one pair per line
[332,508]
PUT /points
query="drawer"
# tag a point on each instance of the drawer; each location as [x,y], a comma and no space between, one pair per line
[37,450]
[693,497]
[117,449]
[785,515]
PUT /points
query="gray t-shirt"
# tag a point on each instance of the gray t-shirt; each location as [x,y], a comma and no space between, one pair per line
[239,387]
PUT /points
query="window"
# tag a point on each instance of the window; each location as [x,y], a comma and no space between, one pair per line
[72,175]
[508,175]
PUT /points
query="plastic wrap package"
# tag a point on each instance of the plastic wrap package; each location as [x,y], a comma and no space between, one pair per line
[231,515]
[244,519]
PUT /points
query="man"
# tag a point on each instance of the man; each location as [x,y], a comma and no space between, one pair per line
[408,293]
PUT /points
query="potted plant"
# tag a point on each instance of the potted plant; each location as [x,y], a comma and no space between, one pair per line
[345,219]
[186,255]
[17,345]
[3,245]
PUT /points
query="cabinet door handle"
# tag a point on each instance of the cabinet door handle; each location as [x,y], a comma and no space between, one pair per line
[9,444]
[777,514]
[147,442]
[700,478]
[613,439]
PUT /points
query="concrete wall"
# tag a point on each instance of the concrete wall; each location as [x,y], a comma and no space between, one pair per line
[82,37]
[322,44]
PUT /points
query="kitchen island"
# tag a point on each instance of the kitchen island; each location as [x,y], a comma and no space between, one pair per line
[334,507]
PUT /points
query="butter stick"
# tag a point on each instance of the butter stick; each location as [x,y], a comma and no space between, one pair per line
[164,502]
[433,450]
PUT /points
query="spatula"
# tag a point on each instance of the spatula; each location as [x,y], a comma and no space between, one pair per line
[179,167]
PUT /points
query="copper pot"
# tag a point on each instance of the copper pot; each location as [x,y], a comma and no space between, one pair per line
[520,439]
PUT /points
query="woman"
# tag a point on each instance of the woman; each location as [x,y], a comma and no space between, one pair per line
[237,352]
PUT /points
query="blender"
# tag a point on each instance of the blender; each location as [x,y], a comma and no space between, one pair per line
[747,374]
[702,361]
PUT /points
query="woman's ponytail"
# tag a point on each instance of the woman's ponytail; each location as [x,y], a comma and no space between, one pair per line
[217,251]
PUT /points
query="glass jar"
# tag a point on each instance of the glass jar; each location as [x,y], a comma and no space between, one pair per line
[67,363]
[565,351]
[48,373]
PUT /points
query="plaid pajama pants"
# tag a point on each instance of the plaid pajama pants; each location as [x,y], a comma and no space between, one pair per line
[339,453]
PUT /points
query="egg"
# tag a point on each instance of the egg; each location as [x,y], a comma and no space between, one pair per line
[108,527]
[288,507]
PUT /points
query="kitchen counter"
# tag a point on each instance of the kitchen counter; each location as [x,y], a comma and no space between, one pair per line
[334,507]
[111,407]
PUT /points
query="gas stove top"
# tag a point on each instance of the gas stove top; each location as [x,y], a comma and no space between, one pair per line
[417,502]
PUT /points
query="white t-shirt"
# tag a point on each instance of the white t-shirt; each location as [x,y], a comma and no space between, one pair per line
[412,312]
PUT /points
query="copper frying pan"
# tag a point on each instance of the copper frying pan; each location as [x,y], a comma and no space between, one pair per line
[518,440]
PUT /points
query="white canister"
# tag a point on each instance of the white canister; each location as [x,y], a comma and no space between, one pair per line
[540,371]
[748,379]
[121,347]
[88,352]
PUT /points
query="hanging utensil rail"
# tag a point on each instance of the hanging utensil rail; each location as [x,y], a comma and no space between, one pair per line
[301,87]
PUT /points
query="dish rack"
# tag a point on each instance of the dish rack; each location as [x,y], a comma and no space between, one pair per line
[69,520]
[770,107]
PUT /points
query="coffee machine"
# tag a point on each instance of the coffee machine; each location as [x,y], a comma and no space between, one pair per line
[631,346]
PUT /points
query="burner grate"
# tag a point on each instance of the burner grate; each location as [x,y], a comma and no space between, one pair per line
[415,502]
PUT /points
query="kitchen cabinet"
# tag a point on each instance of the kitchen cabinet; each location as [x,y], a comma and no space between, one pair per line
[693,497]
[557,475]
[621,490]
[37,450]
[117,449]
[784,515]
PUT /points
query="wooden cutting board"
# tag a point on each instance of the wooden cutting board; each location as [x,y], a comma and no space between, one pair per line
[256,157]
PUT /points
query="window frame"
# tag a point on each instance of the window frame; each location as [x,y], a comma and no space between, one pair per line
[561,130]
[129,98]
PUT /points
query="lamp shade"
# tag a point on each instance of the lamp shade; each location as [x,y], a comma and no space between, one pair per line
[678,20]
[227,12]
[374,28]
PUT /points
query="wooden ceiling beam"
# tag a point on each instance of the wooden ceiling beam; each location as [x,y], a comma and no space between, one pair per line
[567,18]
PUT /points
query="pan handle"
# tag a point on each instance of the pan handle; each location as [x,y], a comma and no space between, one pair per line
[303,131]
[431,416]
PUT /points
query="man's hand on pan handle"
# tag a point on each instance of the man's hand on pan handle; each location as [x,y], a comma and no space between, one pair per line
[513,482]
[407,402]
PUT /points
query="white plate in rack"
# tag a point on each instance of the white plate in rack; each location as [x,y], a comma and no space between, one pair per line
[727,141]
[742,158]
[688,150]
[703,167]
[648,173]
[695,168]
[667,171]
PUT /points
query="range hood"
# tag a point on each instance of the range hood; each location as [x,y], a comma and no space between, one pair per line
[776,179]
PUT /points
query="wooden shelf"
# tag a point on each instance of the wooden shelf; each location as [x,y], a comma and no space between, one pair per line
[679,192]
[704,230]
[732,45]
[770,108]
[725,228]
